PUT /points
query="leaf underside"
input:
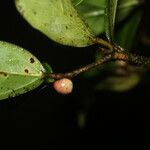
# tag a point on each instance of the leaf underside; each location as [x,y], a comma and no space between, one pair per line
[93,13]
[77,2]
[20,71]
[129,31]
[110,11]
[57,19]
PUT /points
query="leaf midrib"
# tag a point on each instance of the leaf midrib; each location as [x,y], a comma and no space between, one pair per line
[21,74]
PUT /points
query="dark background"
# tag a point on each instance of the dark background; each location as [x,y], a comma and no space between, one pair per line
[44,119]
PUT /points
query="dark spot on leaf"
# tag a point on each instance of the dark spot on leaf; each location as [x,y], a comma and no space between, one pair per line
[34,12]
[32,60]
[66,27]
[45,24]
[13,91]
[3,73]
[26,71]
[70,15]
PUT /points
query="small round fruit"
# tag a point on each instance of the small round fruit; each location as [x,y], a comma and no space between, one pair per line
[63,86]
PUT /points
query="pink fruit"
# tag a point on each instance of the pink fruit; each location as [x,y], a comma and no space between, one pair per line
[63,86]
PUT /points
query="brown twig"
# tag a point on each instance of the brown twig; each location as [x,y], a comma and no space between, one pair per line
[115,53]
[130,58]
[80,70]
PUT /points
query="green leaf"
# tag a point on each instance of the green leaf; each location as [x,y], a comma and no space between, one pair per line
[20,71]
[77,2]
[110,16]
[93,13]
[48,69]
[125,7]
[57,19]
[97,3]
[125,36]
